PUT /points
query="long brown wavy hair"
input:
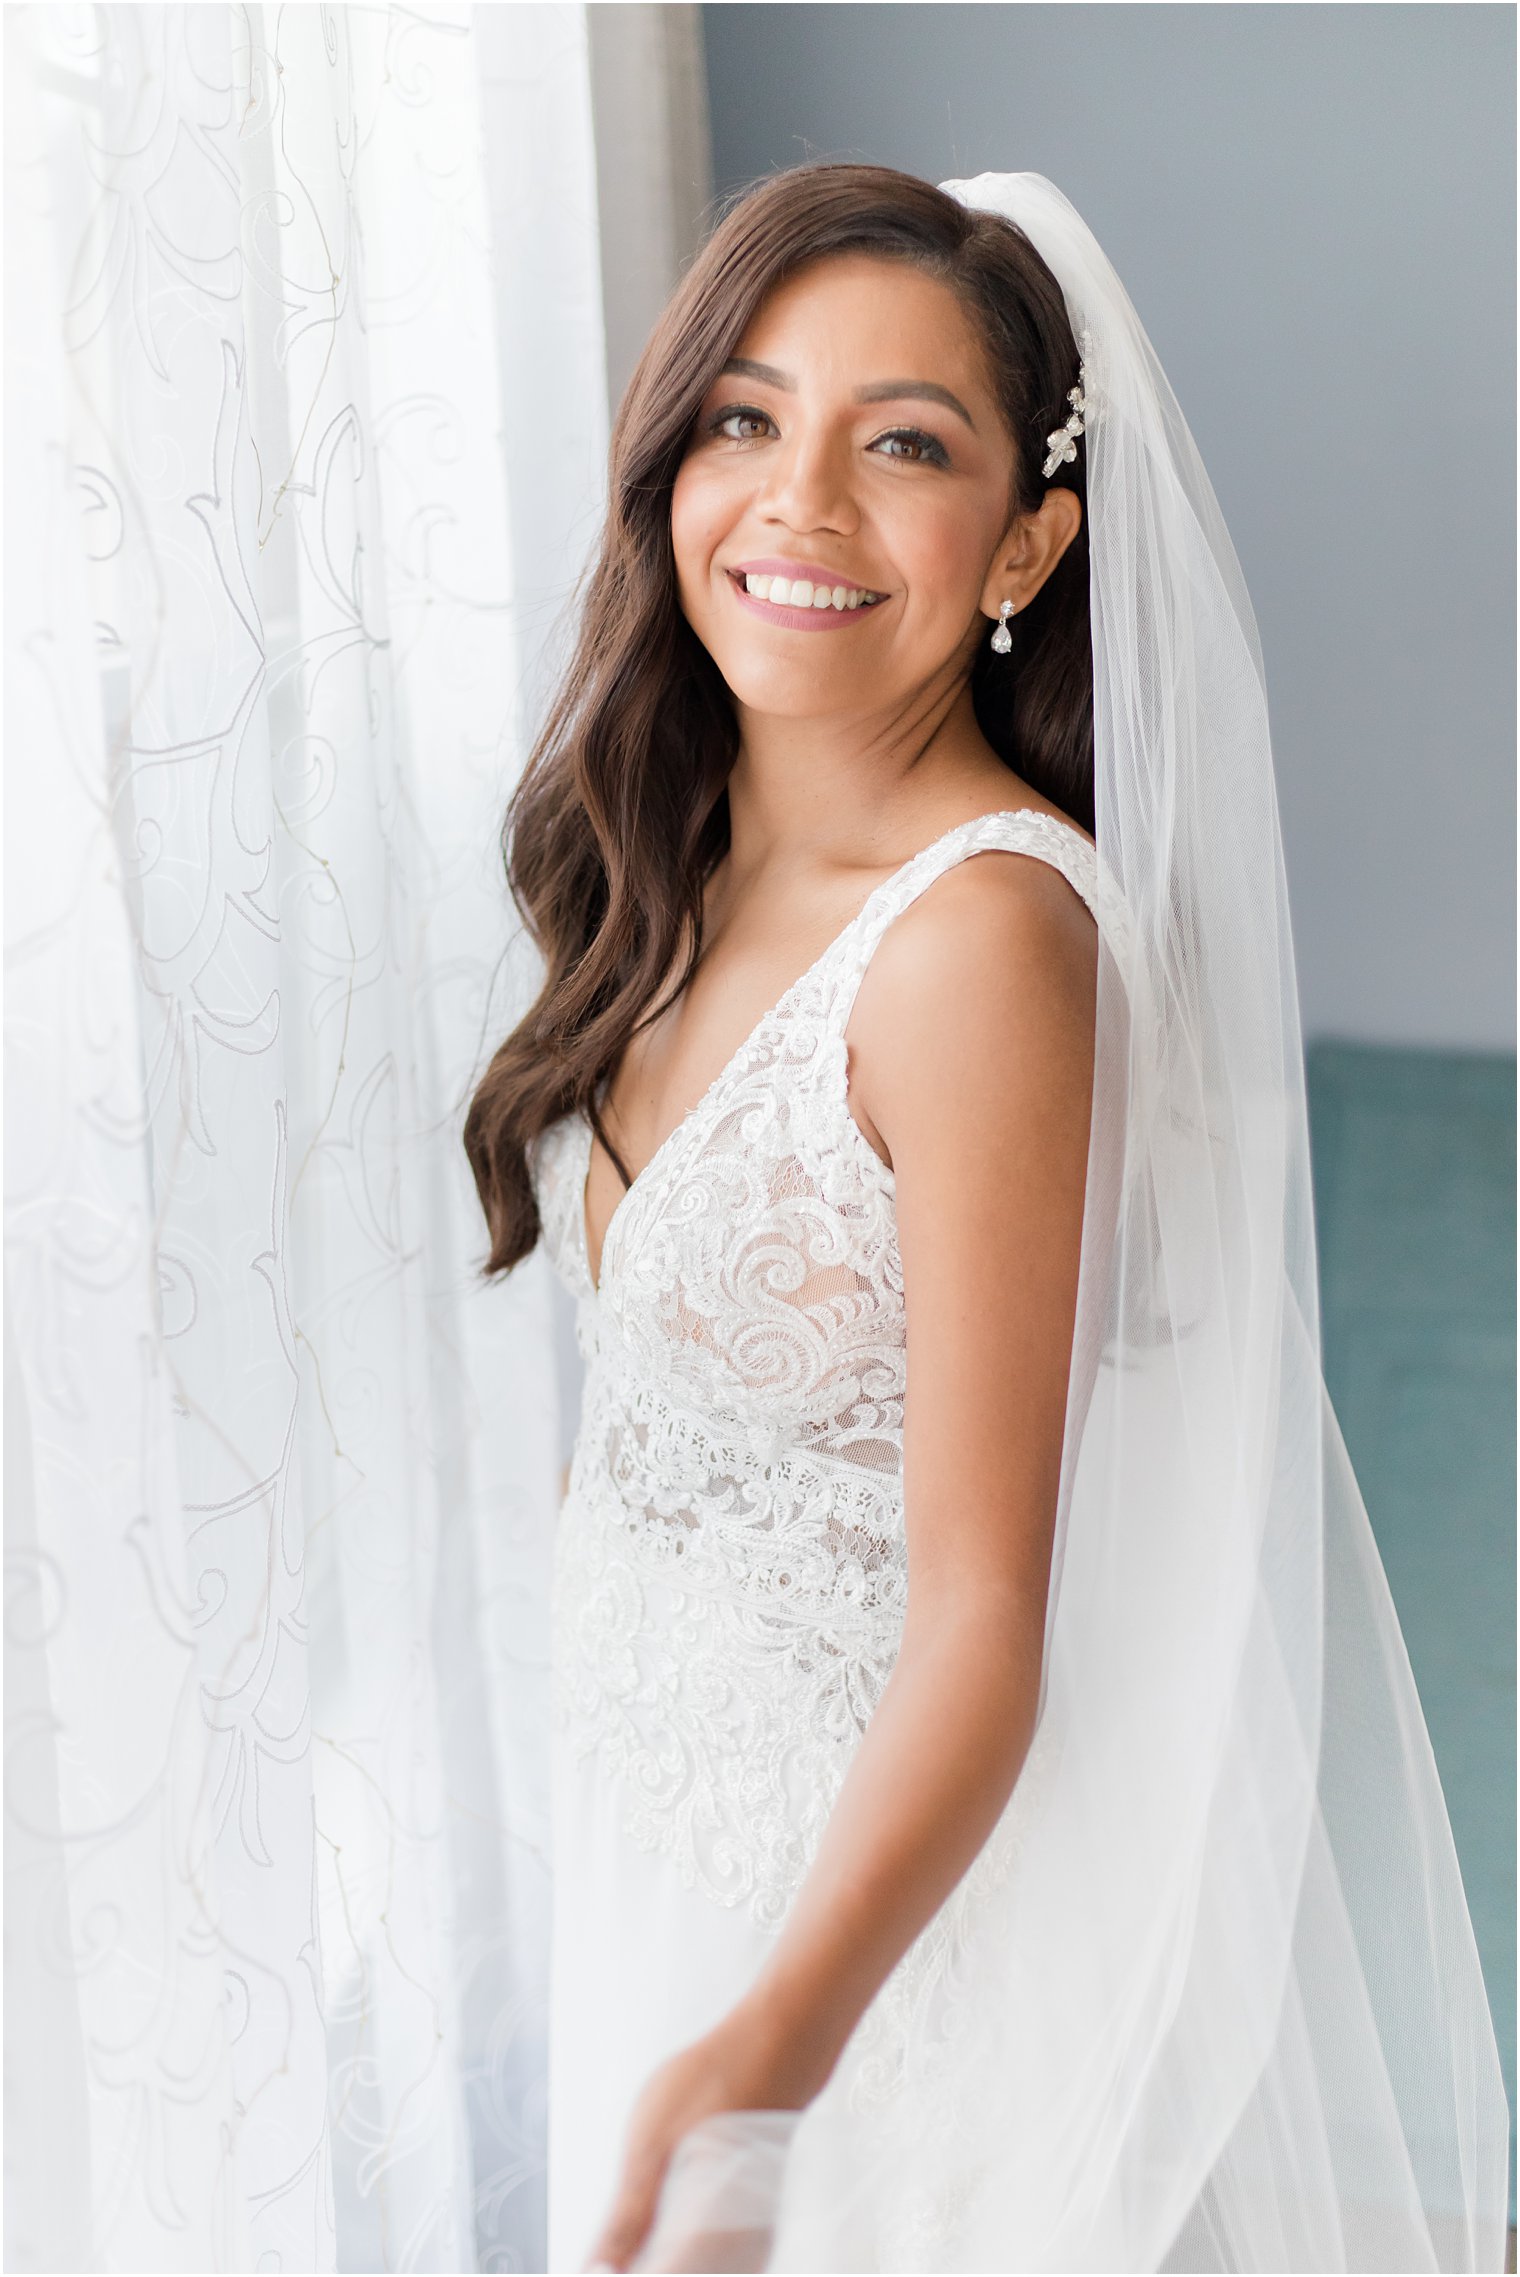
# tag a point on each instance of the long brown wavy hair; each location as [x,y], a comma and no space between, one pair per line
[621,813]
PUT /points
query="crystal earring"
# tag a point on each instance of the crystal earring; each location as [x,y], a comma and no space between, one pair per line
[1002,638]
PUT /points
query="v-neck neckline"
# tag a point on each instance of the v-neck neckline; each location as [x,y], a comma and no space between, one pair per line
[667,1143]
[697,1106]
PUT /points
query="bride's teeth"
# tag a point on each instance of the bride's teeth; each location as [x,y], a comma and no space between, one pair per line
[802,593]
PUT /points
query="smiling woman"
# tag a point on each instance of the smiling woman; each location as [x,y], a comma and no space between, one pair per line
[622,816]
[861,1691]
[896,523]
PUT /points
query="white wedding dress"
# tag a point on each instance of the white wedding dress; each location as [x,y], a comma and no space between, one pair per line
[730,1561]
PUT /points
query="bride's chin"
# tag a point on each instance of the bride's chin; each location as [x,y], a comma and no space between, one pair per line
[792,690]
[797,704]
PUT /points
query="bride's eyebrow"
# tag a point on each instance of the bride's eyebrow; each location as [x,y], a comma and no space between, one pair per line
[879,391]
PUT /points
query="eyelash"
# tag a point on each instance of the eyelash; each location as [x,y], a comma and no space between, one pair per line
[934,450]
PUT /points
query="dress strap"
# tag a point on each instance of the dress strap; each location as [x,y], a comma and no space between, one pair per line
[1015,830]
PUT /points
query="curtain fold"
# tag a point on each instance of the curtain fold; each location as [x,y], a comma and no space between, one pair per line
[289,538]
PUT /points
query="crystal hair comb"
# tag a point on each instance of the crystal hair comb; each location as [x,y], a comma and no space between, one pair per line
[1063,440]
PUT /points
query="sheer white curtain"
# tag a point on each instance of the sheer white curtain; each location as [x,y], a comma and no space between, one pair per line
[305,428]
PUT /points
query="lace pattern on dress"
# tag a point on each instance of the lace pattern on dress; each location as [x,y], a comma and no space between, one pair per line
[730,1563]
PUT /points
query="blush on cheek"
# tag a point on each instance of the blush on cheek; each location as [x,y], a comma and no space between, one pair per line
[703,515]
[693,556]
[691,515]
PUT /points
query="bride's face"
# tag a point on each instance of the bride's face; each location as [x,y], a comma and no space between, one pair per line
[853,443]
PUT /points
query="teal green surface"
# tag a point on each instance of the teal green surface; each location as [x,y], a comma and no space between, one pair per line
[1414,1180]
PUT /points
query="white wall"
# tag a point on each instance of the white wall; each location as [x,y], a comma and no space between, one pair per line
[1314,211]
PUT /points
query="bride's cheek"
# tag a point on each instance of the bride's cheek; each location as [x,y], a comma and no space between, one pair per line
[691,510]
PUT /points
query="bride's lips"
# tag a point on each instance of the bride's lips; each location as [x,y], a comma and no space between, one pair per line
[798,620]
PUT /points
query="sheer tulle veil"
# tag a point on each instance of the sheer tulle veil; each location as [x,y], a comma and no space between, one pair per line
[1209,1999]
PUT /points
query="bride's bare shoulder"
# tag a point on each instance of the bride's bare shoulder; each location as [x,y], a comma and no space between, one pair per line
[989,974]
[983,919]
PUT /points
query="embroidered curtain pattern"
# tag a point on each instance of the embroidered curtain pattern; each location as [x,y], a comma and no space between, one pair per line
[280,1474]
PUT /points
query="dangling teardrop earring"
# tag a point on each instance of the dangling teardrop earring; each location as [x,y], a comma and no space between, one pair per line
[1002,638]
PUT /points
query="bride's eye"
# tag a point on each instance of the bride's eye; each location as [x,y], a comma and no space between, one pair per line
[719,423]
[927,449]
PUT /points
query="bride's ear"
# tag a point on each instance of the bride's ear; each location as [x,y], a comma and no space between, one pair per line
[1031,547]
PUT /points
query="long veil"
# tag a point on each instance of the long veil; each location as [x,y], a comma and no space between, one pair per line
[1209,1999]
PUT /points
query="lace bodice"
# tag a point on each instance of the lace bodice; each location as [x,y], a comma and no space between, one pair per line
[730,1561]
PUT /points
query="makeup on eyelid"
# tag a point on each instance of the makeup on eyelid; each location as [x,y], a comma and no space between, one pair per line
[932,450]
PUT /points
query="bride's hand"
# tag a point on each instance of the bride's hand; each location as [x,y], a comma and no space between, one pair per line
[732,2068]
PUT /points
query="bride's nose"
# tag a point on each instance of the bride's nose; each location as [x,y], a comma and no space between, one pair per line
[808,485]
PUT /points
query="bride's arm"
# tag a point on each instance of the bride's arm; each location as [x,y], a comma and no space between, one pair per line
[978,1034]
[972,1056]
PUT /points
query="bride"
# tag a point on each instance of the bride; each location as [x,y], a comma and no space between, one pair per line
[994,1823]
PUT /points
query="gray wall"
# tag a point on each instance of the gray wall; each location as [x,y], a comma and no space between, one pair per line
[1313,209]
